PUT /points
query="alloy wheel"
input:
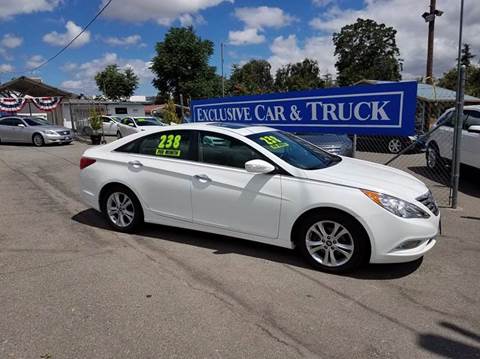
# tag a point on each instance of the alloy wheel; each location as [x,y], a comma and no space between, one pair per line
[120,209]
[431,157]
[38,140]
[394,145]
[329,243]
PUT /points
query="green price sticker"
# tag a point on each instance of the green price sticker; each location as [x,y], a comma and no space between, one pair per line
[169,146]
[273,142]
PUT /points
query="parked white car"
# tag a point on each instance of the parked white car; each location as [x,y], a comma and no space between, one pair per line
[110,125]
[264,185]
[131,125]
[440,142]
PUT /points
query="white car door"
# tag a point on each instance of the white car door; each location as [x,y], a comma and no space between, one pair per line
[226,196]
[444,135]
[127,127]
[160,171]
[471,140]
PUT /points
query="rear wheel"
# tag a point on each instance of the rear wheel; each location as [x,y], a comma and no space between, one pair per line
[332,242]
[122,209]
[38,140]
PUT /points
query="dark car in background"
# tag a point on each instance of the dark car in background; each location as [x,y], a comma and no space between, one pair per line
[390,144]
[337,144]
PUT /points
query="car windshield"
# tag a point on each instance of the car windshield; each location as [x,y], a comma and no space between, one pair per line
[294,150]
[35,121]
[147,121]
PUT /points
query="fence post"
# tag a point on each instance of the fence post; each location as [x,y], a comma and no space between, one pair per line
[457,140]
[181,107]
[354,144]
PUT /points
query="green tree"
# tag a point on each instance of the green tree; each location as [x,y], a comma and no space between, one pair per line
[252,78]
[467,56]
[170,113]
[181,66]
[115,84]
[303,75]
[366,50]
[472,80]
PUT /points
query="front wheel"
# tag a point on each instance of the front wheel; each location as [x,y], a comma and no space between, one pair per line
[395,145]
[432,154]
[38,140]
[332,242]
[122,209]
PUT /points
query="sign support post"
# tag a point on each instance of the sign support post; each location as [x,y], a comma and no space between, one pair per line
[457,148]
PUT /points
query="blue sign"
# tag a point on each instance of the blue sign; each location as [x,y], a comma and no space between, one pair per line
[383,109]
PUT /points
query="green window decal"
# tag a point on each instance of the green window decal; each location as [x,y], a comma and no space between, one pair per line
[169,146]
[273,142]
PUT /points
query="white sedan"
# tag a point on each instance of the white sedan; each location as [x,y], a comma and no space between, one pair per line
[131,125]
[440,142]
[265,185]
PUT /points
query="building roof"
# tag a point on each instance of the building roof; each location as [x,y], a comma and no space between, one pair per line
[32,87]
[430,93]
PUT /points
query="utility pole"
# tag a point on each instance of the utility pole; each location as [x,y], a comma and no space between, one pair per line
[223,77]
[430,18]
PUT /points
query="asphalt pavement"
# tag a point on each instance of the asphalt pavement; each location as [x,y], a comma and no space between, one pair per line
[70,287]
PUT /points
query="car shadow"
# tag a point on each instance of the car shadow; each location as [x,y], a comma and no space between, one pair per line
[225,245]
[451,348]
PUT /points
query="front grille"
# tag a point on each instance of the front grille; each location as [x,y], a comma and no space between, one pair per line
[428,201]
[64,133]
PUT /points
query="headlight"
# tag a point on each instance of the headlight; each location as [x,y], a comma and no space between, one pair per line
[50,132]
[396,205]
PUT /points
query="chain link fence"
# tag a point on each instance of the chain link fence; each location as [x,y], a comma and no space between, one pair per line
[426,155]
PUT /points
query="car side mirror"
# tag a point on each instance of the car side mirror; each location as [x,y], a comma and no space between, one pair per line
[474,129]
[259,167]
[21,125]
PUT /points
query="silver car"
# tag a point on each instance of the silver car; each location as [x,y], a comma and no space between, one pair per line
[34,130]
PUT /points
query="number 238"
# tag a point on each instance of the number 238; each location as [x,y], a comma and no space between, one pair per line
[170,141]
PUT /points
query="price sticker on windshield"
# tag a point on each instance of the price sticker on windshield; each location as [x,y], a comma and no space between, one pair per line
[273,142]
[169,146]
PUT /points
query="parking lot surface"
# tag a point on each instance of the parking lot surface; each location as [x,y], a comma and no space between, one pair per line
[70,287]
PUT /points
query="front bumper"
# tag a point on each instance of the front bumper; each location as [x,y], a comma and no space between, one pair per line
[49,139]
[406,241]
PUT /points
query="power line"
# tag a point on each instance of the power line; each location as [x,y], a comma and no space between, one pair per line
[73,40]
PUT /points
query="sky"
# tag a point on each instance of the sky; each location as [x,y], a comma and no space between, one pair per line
[281,32]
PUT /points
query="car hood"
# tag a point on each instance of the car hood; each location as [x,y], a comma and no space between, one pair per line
[372,176]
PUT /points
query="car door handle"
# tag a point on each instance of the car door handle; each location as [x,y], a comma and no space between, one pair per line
[202,178]
[135,164]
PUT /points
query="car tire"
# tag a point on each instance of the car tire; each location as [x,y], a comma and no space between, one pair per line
[316,241]
[395,145]
[119,135]
[37,140]
[121,208]
[432,156]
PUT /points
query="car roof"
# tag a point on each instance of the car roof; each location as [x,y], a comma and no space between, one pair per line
[243,130]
